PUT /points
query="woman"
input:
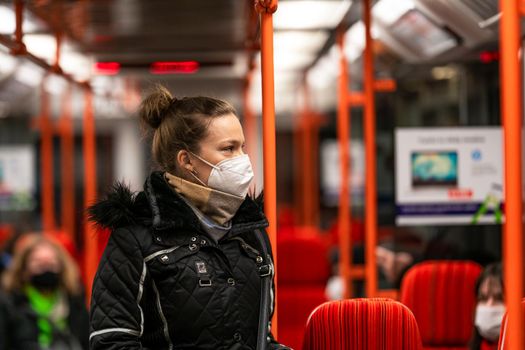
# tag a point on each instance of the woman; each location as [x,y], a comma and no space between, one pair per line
[45,297]
[490,309]
[184,264]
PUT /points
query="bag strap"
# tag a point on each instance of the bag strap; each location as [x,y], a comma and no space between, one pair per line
[266,273]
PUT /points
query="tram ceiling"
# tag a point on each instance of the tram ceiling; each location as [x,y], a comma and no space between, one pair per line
[222,36]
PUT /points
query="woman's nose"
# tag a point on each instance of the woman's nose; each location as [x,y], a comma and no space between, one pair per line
[239,152]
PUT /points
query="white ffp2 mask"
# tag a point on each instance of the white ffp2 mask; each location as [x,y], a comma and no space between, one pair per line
[232,175]
[488,321]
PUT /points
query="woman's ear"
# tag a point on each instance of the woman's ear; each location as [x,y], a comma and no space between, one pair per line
[184,160]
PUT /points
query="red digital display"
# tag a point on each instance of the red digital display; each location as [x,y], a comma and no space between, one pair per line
[174,67]
[107,68]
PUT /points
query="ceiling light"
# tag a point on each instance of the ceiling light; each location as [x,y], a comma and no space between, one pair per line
[41,45]
[444,73]
[55,84]
[8,21]
[389,11]
[29,74]
[299,41]
[76,64]
[308,14]
[292,61]
[422,35]
[355,40]
[7,64]
[325,71]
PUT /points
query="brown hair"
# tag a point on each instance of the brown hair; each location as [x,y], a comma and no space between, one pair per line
[178,123]
[13,279]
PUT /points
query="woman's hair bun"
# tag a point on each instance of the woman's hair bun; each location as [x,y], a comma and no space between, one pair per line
[155,106]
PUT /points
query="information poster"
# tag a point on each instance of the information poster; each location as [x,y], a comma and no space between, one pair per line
[449,176]
[17,171]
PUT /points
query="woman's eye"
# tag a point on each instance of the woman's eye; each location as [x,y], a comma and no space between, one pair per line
[229,149]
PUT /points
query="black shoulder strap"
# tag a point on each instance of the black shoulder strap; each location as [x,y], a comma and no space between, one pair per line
[266,273]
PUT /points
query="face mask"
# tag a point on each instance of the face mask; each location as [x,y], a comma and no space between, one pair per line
[45,281]
[488,321]
[232,175]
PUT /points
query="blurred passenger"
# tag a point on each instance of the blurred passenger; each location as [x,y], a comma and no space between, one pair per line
[490,309]
[185,263]
[43,285]
[393,263]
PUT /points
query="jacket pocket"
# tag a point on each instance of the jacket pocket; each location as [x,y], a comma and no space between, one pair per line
[167,262]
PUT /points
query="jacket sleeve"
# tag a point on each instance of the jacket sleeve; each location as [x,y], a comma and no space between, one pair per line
[116,318]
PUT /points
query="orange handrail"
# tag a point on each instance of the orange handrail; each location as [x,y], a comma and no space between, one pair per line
[343,135]
[19,46]
[370,158]
[511,111]
[90,192]
[46,162]
[67,164]
[266,8]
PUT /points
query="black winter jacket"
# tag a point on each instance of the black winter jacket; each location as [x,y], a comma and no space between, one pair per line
[163,283]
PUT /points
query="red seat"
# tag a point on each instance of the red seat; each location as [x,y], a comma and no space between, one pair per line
[442,296]
[302,276]
[503,335]
[362,324]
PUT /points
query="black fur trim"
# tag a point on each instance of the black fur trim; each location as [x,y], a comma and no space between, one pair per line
[116,210]
[160,207]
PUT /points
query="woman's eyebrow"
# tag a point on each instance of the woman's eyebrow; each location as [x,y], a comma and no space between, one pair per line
[232,141]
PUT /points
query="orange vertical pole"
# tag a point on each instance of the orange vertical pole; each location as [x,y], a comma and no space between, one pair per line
[370,159]
[343,135]
[90,192]
[46,163]
[58,38]
[511,111]
[266,9]
[67,165]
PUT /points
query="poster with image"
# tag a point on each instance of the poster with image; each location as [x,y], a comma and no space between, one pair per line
[448,176]
[17,177]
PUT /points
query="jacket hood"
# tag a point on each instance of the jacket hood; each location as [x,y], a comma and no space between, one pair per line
[162,208]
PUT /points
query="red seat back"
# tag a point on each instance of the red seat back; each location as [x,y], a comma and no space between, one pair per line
[303,272]
[442,296]
[362,324]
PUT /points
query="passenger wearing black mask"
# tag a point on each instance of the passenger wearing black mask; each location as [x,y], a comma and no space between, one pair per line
[44,288]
